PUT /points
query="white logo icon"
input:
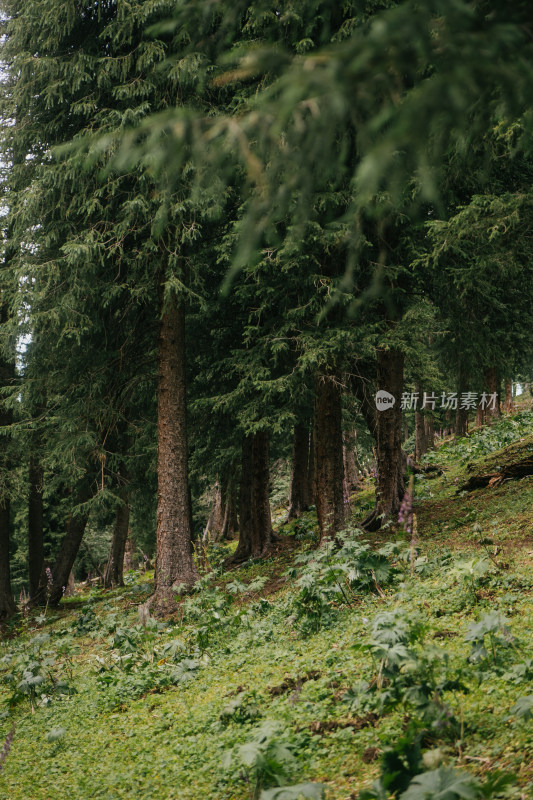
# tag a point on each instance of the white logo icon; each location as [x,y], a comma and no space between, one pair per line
[384,400]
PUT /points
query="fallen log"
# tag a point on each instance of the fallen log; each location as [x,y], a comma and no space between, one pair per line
[426,469]
[520,469]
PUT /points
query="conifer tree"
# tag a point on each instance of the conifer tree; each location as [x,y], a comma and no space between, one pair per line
[324,119]
[7,603]
[95,72]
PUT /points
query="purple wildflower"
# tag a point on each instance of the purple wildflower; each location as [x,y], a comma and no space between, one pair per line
[8,741]
[405,517]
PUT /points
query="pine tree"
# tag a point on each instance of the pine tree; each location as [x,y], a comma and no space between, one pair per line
[7,603]
[96,72]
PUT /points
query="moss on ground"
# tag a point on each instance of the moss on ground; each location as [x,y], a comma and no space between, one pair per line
[137,737]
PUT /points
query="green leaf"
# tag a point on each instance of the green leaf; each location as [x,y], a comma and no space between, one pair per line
[524,707]
[55,734]
[444,783]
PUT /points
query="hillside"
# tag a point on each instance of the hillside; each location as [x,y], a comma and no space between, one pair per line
[391,657]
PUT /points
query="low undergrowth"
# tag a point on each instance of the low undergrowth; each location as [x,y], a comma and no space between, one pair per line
[361,671]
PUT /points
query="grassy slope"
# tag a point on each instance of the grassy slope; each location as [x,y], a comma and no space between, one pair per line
[168,744]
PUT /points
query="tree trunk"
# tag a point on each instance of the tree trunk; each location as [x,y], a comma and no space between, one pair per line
[328,456]
[174,553]
[447,424]
[261,489]
[492,411]
[70,545]
[69,550]
[480,416]
[299,492]
[191,517]
[311,468]
[230,524]
[429,431]
[246,532]
[114,571]
[508,407]
[461,420]
[255,532]
[390,485]
[215,523]
[222,522]
[420,436]
[129,552]
[35,525]
[7,603]
[366,402]
[420,429]
[70,588]
[351,476]
[461,414]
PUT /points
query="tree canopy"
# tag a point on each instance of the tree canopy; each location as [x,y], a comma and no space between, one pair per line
[226,227]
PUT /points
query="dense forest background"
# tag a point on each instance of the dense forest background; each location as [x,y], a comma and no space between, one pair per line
[266,400]
[225,228]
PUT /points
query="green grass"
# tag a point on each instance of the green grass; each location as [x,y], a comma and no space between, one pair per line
[168,743]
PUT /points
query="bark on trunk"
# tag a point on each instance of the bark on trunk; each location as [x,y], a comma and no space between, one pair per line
[299,491]
[366,403]
[114,571]
[328,456]
[429,431]
[35,525]
[390,484]
[461,422]
[230,523]
[191,517]
[461,414]
[311,468]
[174,552]
[351,475]
[492,382]
[420,438]
[215,523]
[420,429]
[255,532]
[246,532]
[261,487]
[447,424]
[480,416]
[70,589]
[7,603]
[129,552]
[508,407]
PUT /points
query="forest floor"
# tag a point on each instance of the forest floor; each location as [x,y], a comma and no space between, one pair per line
[330,669]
